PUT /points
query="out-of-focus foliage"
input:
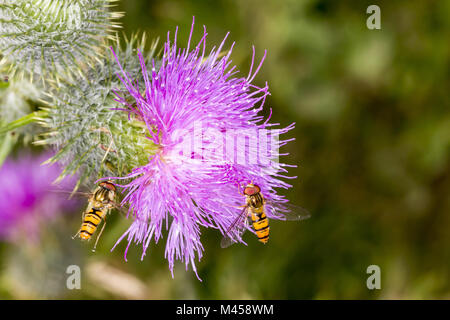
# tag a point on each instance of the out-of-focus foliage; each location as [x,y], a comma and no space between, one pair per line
[372,146]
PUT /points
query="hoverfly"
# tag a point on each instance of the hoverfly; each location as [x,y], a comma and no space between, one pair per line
[100,202]
[254,214]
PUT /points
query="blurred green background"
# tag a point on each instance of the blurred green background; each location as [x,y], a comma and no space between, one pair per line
[372,147]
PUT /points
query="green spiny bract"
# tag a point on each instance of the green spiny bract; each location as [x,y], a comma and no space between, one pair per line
[18,98]
[46,38]
[90,137]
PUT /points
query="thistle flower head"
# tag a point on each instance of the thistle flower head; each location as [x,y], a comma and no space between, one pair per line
[47,37]
[204,120]
[26,200]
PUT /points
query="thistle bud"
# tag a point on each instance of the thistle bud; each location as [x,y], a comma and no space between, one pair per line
[91,136]
[43,38]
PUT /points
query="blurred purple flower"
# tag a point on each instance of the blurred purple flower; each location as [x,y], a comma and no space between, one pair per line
[211,141]
[27,202]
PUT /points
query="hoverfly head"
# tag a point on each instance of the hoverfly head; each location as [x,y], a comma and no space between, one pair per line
[251,190]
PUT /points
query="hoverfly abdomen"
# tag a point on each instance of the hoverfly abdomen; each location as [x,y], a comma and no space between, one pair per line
[261,226]
[90,223]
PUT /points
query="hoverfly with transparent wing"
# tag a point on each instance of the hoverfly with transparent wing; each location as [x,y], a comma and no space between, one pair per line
[100,202]
[254,215]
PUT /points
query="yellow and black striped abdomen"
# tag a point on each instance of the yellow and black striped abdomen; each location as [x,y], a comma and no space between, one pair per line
[90,223]
[261,225]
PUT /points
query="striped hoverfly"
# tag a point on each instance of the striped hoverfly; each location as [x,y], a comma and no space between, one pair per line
[254,214]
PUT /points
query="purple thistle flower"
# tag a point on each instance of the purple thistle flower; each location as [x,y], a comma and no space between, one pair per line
[211,142]
[26,197]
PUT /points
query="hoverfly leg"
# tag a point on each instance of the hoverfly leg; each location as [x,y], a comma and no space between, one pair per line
[98,237]
[76,234]
[237,207]
[249,220]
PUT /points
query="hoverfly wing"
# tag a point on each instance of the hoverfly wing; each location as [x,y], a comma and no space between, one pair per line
[236,229]
[287,211]
[71,194]
[121,209]
[233,237]
[228,240]
[125,211]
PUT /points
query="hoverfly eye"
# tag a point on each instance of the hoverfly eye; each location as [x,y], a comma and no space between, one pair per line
[108,185]
[249,191]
